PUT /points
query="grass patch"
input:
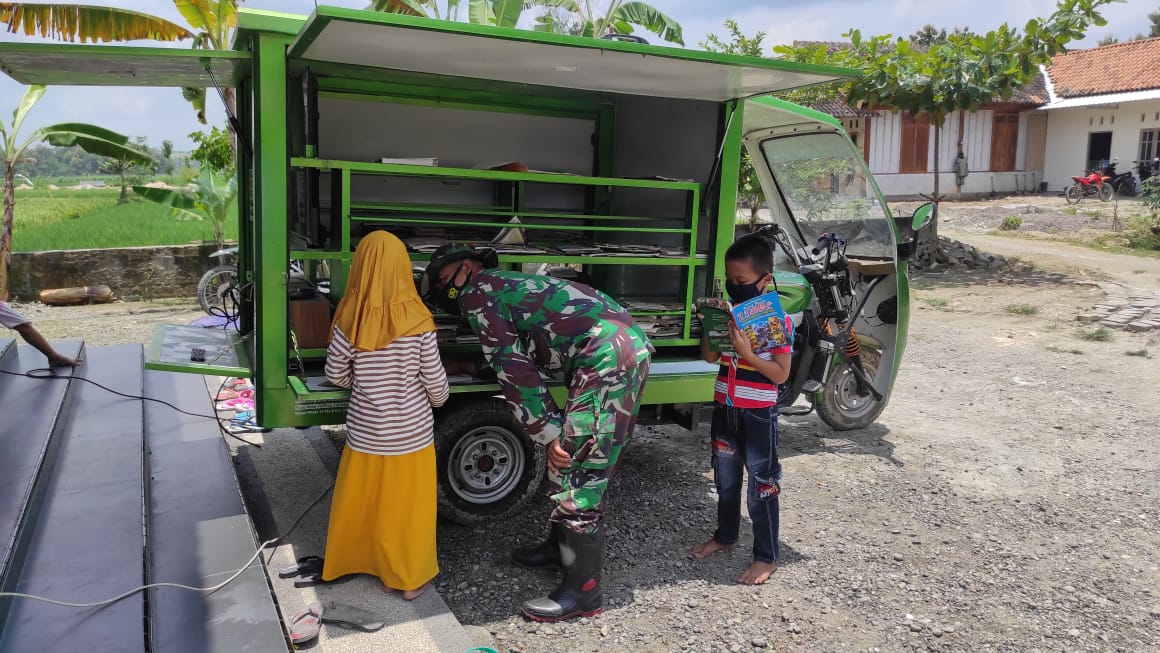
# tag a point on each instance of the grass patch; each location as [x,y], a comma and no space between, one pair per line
[1063,350]
[1011,223]
[1022,309]
[1139,353]
[92,219]
[1099,334]
[935,302]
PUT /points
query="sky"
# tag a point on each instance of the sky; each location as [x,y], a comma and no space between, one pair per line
[160,114]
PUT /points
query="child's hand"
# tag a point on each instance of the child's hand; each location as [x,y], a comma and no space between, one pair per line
[741,343]
[558,458]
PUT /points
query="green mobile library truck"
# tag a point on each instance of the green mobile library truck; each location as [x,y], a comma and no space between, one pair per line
[615,163]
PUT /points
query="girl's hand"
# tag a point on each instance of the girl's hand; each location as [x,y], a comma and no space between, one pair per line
[740,342]
[558,458]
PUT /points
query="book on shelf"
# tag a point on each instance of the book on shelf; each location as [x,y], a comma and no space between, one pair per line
[410,160]
[760,319]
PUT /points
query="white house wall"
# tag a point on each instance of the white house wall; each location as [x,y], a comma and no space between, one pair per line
[977,141]
[947,145]
[885,143]
[1068,130]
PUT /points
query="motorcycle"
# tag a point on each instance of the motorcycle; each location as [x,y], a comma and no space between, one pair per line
[218,287]
[1093,184]
[1146,169]
[828,364]
[1124,183]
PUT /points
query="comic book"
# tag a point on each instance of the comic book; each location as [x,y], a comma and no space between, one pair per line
[761,319]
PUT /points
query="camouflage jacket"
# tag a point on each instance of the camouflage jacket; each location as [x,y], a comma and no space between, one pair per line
[531,323]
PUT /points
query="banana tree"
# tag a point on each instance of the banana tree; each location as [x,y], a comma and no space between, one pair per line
[210,200]
[90,138]
[618,17]
[212,21]
[503,13]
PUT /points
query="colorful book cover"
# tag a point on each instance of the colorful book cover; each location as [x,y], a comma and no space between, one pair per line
[761,319]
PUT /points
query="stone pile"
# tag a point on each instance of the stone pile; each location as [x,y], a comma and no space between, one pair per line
[952,253]
[1128,309]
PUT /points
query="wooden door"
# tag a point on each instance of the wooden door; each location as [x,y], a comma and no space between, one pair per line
[1004,141]
[915,143]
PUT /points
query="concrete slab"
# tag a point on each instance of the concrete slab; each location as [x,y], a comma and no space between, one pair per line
[280,480]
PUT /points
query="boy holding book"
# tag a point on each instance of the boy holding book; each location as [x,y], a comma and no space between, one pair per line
[744,428]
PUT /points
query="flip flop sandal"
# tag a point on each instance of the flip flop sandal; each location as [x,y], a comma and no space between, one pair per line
[247,427]
[348,616]
[235,404]
[306,565]
[306,624]
[309,580]
[243,417]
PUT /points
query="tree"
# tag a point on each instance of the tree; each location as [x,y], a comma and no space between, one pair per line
[1110,39]
[213,22]
[503,13]
[929,36]
[90,138]
[211,200]
[962,73]
[1154,29]
[618,17]
[166,156]
[213,151]
[128,169]
[748,186]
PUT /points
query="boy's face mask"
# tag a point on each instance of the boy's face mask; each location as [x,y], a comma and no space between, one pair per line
[743,292]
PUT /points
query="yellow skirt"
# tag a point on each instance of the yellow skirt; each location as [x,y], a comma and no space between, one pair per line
[382,519]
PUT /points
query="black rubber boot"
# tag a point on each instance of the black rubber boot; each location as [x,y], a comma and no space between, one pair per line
[545,555]
[579,593]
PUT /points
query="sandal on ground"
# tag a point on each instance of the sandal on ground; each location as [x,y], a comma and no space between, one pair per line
[309,580]
[305,566]
[348,616]
[305,626]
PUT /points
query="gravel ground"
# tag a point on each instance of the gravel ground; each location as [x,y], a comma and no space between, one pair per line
[1006,501]
[108,324]
[1042,214]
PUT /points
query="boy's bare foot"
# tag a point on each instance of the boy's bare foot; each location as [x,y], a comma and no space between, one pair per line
[63,361]
[388,589]
[758,573]
[702,551]
[411,595]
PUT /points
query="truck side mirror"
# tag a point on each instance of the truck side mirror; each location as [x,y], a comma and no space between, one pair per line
[919,220]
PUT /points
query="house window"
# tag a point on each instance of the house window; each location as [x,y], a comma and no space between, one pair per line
[915,141]
[1004,141]
[1149,141]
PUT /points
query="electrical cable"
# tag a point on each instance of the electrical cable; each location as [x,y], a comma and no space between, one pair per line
[206,590]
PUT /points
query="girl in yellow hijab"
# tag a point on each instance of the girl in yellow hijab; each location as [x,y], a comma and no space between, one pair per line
[383,347]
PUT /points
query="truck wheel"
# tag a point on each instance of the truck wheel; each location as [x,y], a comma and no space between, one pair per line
[487,465]
[840,405]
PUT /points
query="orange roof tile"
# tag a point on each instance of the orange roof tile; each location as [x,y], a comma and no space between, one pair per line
[1119,68]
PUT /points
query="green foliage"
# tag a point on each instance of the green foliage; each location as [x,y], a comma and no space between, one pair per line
[1022,309]
[929,35]
[130,171]
[214,150]
[1154,28]
[1011,223]
[1151,195]
[92,219]
[748,186]
[1139,353]
[1099,334]
[212,200]
[618,17]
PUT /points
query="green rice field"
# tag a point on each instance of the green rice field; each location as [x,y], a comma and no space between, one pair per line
[91,219]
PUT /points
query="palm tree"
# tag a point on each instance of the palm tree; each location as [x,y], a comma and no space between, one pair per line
[618,17]
[90,138]
[212,22]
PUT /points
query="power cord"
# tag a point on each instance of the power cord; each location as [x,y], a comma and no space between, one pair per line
[206,590]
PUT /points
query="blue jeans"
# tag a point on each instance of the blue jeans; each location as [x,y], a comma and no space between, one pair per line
[745,439]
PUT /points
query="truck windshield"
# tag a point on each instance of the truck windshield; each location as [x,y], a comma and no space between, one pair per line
[827,188]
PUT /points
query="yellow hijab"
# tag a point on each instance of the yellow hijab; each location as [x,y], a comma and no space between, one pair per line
[381,303]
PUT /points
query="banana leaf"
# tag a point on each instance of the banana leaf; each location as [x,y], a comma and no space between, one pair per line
[87,23]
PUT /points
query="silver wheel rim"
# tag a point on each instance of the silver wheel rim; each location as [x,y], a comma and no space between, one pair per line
[219,284]
[485,465]
[844,390]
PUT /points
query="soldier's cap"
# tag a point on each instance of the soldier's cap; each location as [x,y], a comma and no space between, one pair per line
[453,253]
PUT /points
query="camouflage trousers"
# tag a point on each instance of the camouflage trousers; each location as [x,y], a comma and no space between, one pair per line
[598,422]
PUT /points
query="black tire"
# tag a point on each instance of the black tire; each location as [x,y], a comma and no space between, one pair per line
[840,405]
[214,285]
[1106,192]
[1073,194]
[471,431]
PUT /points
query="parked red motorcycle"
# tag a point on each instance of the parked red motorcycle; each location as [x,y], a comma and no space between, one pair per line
[1095,184]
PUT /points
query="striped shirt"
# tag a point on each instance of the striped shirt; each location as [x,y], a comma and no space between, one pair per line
[392,392]
[740,385]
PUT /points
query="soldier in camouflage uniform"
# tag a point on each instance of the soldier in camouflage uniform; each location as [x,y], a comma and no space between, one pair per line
[531,323]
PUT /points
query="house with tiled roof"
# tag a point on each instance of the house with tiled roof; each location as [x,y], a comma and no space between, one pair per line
[1002,143]
[1103,103]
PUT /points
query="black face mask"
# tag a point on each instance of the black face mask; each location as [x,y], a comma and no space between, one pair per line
[447,299]
[743,292]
